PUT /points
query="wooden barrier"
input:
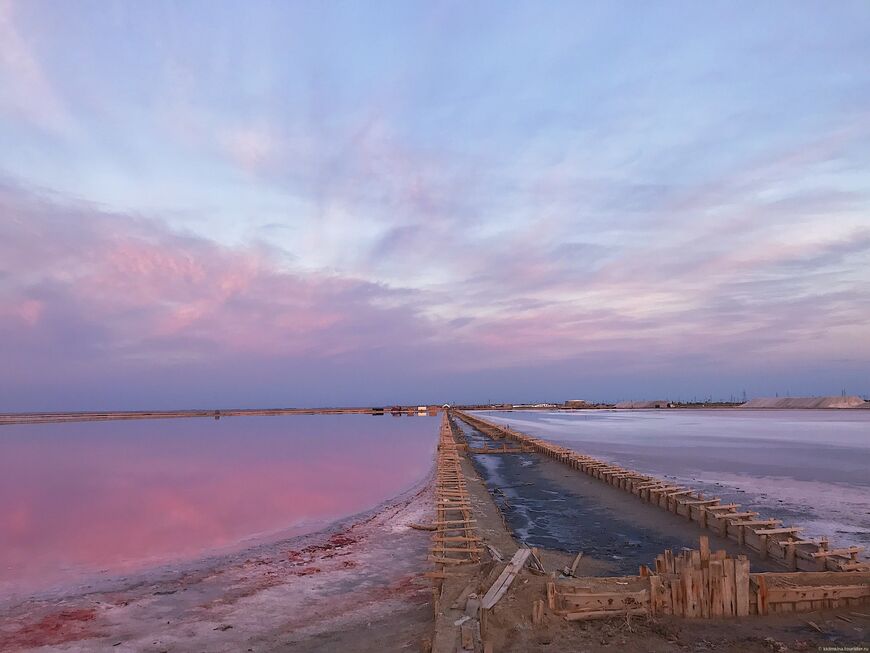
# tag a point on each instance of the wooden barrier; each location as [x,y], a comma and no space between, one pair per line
[784,546]
[705,584]
[806,591]
[579,599]
[700,584]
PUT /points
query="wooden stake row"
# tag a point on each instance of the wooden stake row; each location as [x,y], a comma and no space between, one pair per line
[766,536]
[700,584]
[455,540]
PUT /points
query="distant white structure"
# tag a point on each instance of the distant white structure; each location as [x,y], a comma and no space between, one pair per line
[642,404]
[805,402]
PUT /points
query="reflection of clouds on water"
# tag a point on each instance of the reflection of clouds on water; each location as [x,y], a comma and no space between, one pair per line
[83,498]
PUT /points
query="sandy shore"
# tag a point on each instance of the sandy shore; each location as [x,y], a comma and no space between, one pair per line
[358,586]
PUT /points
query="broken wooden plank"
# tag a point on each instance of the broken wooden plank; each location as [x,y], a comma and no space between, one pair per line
[575,563]
[603,614]
[495,553]
[504,580]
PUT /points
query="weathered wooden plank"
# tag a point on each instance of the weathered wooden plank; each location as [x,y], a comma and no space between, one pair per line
[504,580]
[809,593]
[578,602]
[602,614]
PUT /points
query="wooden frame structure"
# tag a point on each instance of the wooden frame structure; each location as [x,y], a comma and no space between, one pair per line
[455,540]
[705,584]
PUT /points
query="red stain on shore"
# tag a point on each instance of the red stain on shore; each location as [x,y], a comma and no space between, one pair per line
[307,571]
[57,628]
[337,541]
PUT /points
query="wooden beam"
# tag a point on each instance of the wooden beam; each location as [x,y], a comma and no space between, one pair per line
[838,552]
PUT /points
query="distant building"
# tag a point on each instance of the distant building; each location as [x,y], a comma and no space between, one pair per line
[642,404]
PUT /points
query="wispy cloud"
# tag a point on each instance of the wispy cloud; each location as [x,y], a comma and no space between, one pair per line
[402,200]
[26,92]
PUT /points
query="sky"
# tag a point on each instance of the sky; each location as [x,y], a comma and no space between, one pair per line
[218,204]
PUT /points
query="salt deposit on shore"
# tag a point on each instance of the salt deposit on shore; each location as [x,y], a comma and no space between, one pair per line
[805,402]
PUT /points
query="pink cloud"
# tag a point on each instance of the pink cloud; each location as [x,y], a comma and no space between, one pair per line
[106,308]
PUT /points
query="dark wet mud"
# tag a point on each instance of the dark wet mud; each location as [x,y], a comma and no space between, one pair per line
[549,505]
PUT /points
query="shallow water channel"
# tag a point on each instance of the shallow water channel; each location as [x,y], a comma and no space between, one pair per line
[549,505]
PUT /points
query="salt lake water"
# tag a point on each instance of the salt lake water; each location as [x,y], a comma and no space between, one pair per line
[82,498]
[810,468]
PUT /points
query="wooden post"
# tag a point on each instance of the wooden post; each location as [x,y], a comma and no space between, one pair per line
[762,594]
[729,609]
[790,556]
[538,612]
[706,588]
[741,585]
[717,574]
[705,550]
[655,586]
